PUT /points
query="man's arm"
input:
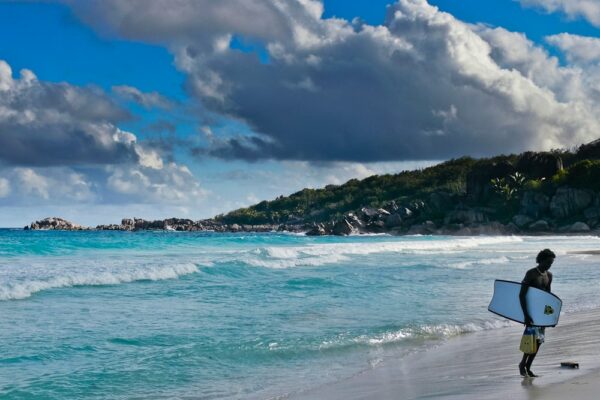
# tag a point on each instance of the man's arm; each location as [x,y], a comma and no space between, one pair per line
[522,298]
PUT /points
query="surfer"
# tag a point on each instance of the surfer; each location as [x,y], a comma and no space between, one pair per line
[538,277]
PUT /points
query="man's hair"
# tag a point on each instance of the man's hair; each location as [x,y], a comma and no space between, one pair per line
[544,254]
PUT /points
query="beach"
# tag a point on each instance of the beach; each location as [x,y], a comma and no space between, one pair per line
[483,365]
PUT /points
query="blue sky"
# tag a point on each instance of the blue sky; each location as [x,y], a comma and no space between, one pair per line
[250,124]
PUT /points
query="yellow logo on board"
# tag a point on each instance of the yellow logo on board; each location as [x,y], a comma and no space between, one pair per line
[548,310]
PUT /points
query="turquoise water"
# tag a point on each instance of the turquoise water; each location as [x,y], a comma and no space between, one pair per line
[105,315]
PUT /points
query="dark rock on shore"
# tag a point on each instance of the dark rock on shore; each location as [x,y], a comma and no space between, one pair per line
[55,223]
[568,201]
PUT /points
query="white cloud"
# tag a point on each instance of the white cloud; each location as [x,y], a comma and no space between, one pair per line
[422,86]
[60,144]
[47,186]
[4,187]
[173,184]
[148,100]
[57,124]
[578,49]
[588,9]
[31,183]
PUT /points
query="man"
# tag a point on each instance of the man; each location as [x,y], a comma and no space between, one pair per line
[538,277]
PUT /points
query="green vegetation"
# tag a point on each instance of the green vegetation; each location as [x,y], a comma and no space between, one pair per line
[584,174]
[509,187]
[494,183]
[317,205]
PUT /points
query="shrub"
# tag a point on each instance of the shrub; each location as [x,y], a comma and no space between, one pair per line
[584,174]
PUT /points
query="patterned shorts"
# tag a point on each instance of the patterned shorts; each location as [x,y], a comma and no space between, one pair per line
[540,334]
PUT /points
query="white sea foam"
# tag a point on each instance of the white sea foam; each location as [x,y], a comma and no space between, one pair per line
[330,253]
[430,331]
[485,261]
[441,331]
[21,289]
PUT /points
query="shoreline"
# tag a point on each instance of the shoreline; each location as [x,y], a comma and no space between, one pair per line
[483,365]
[585,387]
[370,222]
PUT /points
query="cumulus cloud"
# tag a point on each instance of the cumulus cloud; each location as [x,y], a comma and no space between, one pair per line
[4,187]
[48,124]
[50,185]
[588,9]
[578,49]
[60,144]
[422,86]
[204,24]
[148,100]
[172,183]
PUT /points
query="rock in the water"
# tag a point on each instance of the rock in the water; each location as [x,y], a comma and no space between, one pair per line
[128,223]
[317,230]
[354,221]
[55,223]
[342,228]
[376,227]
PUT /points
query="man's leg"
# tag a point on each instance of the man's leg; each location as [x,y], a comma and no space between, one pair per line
[523,364]
[530,361]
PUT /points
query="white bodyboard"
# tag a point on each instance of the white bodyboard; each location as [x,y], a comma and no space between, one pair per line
[543,307]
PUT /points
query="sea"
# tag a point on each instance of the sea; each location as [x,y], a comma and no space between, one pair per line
[203,315]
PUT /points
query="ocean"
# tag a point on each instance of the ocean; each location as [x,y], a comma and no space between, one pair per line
[163,315]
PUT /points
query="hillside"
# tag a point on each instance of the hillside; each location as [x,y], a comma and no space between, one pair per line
[543,192]
[521,192]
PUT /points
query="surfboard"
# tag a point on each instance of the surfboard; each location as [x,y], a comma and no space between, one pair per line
[544,307]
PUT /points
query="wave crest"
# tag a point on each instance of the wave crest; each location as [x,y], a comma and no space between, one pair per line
[26,288]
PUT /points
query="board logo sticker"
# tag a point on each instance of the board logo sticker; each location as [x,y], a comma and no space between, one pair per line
[548,310]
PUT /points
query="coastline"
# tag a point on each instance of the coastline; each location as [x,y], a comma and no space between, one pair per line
[344,228]
[483,365]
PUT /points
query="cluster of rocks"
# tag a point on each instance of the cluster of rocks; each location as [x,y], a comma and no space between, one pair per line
[408,220]
[55,223]
[568,210]
[169,224]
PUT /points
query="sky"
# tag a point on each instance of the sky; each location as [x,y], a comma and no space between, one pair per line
[190,108]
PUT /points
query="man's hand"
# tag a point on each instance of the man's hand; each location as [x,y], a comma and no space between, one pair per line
[528,321]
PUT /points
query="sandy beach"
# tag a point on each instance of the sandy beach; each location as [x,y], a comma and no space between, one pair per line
[483,365]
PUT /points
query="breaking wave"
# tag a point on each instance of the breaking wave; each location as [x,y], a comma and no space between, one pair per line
[24,288]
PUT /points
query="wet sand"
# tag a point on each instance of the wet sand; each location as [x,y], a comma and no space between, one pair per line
[483,365]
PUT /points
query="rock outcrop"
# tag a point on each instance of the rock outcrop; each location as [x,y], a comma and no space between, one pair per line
[568,201]
[534,204]
[55,223]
